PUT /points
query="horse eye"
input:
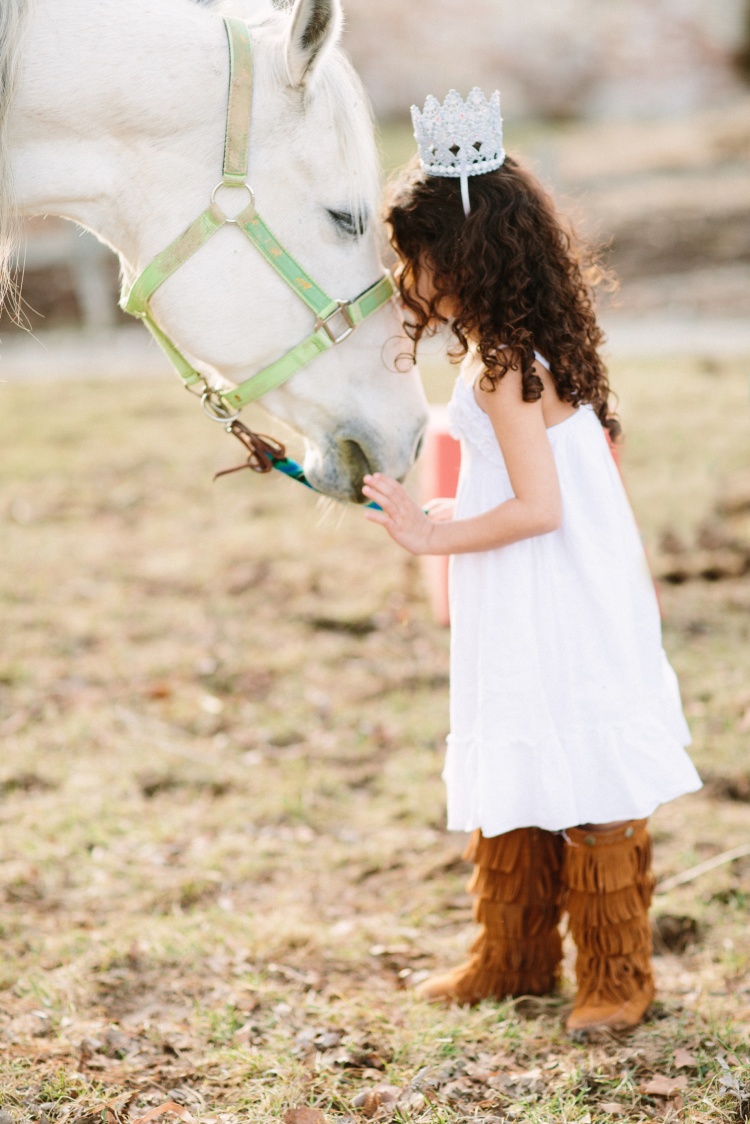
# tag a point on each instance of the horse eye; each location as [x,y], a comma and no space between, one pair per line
[348,223]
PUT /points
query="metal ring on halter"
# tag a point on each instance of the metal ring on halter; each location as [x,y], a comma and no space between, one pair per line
[232,187]
[215,408]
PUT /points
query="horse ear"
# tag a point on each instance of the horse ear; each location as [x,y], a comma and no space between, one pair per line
[315,25]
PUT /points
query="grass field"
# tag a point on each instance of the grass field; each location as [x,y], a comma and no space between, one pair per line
[222,713]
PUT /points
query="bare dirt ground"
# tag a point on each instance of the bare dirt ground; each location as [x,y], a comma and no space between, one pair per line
[222,711]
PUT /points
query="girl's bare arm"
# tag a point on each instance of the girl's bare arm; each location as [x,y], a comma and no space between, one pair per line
[536,508]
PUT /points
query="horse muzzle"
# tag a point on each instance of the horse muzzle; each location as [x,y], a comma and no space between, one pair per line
[340,471]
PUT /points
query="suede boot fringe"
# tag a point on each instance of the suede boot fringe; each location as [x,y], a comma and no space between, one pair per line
[526,848]
[610,909]
[600,865]
[608,888]
[511,921]
[614,940]
[518,891]
[518,955]
[612,979]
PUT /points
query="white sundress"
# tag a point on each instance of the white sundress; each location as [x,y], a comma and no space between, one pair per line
[564,708]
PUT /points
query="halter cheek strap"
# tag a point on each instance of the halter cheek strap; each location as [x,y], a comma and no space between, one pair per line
[335,320]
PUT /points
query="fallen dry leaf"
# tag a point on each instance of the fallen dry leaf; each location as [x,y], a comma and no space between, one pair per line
[369,1102]
[612,1108]
[304,1116]
[661,1086]
[683,1059]
[161,1109]
[478,1072]
[529,1081]
[411,1101]
[110,1112]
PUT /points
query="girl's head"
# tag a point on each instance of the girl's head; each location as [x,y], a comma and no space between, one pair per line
[509,276]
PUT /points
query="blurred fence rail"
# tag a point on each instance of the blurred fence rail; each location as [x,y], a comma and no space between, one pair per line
[68,275]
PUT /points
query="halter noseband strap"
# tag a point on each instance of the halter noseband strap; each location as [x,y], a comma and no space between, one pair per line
[335,320]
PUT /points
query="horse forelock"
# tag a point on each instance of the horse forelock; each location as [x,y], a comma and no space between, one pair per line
[13,14]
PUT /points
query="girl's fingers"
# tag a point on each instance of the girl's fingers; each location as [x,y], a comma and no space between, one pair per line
[388,493]
[378,517]
[385,501]
[384,484]
[400,516]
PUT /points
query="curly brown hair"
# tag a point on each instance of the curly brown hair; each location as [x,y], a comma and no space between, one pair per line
[514,273]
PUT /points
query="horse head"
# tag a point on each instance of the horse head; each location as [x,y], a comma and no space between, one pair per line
[313,170]
[117,122]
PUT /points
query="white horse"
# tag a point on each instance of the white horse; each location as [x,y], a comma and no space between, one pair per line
[112,114]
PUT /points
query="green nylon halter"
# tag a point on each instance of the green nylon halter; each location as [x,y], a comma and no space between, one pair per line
[335,320]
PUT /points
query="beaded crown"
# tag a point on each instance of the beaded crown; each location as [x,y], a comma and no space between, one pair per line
[460,138]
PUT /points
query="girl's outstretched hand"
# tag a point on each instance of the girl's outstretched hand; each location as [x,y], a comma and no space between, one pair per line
[402,518]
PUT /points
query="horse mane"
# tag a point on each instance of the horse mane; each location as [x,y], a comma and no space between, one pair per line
[13,15]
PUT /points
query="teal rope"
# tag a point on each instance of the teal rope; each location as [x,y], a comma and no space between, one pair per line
[295,471]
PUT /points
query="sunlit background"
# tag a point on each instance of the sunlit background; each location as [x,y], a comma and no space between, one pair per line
[636,113]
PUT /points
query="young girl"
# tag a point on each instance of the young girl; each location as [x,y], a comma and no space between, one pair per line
[566,725]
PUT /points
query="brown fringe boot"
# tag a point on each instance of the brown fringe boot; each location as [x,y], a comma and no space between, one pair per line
[517,883]
[608,887]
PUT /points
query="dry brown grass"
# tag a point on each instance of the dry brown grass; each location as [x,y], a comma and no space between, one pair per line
[221,819]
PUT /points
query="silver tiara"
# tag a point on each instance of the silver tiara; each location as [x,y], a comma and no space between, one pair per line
[460,138]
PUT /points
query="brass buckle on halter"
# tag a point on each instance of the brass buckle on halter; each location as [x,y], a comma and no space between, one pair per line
[342,310]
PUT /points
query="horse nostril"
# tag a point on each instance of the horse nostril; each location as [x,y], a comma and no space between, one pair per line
[357,461]
[419,445]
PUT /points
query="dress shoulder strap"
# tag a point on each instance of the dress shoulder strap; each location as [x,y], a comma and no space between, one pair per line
[469,362]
